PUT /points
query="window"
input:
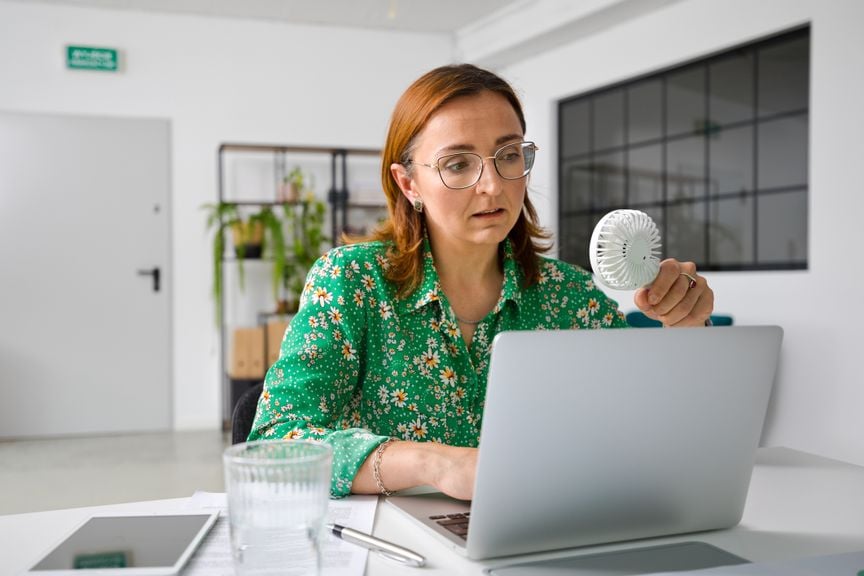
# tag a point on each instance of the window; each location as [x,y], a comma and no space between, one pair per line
[715,151]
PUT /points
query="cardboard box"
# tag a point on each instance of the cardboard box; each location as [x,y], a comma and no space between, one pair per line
[275,333]
[247,353]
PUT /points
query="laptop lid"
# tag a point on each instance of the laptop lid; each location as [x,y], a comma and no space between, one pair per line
[592,437]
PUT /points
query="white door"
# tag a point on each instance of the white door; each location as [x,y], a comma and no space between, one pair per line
[84,229]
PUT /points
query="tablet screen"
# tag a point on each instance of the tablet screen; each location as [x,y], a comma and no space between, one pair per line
[129,542]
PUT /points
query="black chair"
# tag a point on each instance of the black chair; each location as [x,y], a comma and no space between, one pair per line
[244,413]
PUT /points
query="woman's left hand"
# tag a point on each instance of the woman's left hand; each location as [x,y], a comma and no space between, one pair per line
[677,297]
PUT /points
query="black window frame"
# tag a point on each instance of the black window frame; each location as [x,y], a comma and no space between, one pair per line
[588,212]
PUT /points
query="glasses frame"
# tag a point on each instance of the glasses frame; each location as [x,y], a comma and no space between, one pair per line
[483,159]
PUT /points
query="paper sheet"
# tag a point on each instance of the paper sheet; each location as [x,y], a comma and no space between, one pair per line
[339,558]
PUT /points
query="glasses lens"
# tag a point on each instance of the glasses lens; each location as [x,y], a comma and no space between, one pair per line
[515,161]
[460,170]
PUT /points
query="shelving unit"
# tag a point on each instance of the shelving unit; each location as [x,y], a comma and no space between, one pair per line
[250,176]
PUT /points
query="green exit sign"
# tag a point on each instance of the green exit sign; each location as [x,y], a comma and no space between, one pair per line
[91,58]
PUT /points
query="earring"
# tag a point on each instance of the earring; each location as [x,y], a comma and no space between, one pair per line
[418,205]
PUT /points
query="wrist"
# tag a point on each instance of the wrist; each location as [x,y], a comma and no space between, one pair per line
[376,467]
[402,464]
[435,463]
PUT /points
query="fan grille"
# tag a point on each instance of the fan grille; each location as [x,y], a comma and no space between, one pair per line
[625,249]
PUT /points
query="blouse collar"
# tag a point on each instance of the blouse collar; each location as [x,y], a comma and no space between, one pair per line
[430,287]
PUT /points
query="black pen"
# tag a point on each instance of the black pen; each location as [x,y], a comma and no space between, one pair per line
[382,547]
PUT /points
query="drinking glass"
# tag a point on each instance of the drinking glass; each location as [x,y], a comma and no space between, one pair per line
[278,492]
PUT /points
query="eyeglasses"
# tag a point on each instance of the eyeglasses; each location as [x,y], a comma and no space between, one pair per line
[464,169]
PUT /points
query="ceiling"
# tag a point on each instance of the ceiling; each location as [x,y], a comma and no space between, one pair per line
[429,16]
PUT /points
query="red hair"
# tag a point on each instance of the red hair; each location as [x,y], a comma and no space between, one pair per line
[404,227]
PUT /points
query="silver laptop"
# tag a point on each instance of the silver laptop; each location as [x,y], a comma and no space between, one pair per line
[599,436]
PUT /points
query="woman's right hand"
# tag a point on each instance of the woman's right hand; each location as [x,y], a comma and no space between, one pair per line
[454,469]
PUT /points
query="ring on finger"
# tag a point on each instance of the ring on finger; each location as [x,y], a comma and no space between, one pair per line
[692,283]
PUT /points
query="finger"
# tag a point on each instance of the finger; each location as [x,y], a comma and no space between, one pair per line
[700,312]
[704,307]
[652,315]
[666,278]
[682,309]
[676,294]
[695,318]
[640,299]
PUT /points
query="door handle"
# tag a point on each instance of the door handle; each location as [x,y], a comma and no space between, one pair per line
[155,273]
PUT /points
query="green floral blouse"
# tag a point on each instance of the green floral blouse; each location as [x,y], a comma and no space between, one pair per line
[359,365]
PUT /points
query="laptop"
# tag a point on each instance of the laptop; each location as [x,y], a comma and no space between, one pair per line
[599,436]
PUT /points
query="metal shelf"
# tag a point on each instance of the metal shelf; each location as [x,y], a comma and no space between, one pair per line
[338,197]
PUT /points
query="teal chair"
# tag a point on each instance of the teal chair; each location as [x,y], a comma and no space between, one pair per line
[637,319]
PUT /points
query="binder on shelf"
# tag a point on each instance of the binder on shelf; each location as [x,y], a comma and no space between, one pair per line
[247,353]
[275,333]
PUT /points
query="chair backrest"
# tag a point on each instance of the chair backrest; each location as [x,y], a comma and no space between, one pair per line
[637,319]
[244,414]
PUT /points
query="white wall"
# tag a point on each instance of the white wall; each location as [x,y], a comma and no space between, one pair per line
[217,80]
[222,80]
[818,405]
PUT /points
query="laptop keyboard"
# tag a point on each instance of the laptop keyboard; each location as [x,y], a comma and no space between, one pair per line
[455,523]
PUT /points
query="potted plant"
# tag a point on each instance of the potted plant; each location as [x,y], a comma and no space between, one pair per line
[305,246]
[293,185]
[252,235]
[273,244]
[221,217]
[248,237]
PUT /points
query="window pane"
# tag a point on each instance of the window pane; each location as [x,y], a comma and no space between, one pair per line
[685,231]
[575,238]
[731,160]
[575,128]
[784,72]
[608,181]
[730,231]
[685,101]
[609,120]
[685,168]
[645,111]
[783,152]
[576,186]
[731,81]
[645,175]
[782,223]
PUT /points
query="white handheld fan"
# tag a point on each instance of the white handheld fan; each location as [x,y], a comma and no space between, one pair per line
[624,250]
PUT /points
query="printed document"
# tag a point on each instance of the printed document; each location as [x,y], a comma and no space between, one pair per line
[339,558]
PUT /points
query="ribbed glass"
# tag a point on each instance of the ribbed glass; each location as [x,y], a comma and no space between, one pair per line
[277,501]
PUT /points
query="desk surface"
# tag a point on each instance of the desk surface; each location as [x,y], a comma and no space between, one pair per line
[799,505]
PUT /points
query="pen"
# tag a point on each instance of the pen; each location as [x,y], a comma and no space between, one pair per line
[382,547]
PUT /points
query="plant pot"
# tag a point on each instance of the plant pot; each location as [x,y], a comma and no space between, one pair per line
[288,192]
[248,239]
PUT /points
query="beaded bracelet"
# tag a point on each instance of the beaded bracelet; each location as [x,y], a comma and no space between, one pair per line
[376,467]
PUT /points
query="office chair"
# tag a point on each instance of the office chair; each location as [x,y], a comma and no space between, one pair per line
[637,319]
[244,413]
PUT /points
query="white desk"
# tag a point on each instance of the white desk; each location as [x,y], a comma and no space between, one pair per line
[798,505]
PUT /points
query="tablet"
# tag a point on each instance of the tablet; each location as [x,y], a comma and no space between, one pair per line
[155,545]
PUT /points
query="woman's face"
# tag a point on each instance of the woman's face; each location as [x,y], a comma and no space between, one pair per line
[484,213]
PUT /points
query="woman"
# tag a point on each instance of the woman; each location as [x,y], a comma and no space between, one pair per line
[387,358]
